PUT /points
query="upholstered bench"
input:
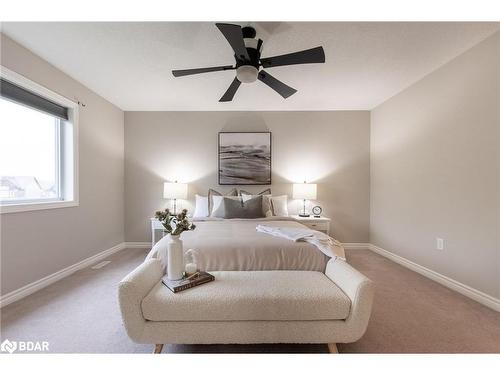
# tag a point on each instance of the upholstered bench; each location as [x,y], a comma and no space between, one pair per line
[243,307]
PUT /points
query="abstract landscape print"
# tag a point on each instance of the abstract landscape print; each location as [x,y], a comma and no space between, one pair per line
[244,158]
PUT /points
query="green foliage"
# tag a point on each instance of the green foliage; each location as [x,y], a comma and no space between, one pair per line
[174,224]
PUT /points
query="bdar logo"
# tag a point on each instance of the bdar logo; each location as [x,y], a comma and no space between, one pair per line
[24,346]
[8,346]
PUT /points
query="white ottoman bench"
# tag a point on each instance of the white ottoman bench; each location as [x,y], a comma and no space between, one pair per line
[248,307]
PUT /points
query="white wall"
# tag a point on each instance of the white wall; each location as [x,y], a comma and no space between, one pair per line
[329,148]
[435,170]
[38,243]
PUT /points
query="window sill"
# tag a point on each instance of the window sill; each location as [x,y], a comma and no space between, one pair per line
[23,207]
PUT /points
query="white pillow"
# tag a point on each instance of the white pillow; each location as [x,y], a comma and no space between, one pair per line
[280,205]
[267,208]
[201,206]
[216,202]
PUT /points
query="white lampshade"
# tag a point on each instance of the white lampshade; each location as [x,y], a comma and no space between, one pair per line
[304,191]
[174,190]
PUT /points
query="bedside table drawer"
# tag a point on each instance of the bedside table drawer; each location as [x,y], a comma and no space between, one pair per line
[321,224]
[317,226]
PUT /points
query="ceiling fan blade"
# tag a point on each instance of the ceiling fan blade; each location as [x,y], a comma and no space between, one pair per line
[308,56]
[229,94]
[278,86]
[234,36]
[187,72]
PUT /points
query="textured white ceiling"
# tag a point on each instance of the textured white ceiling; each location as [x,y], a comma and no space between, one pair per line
[130,63]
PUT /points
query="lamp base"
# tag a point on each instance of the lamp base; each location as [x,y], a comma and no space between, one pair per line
[304,215]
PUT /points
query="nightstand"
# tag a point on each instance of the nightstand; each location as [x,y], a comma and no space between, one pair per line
[155,227]
[321,224]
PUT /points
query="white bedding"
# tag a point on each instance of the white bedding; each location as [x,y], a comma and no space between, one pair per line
[327,245]
[235,245]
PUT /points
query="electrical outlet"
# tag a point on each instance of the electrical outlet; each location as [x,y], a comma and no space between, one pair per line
[439,244]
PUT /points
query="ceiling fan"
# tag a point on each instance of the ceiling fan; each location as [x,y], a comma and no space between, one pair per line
[247,51]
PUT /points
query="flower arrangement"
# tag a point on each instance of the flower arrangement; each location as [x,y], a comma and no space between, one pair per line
[174,224]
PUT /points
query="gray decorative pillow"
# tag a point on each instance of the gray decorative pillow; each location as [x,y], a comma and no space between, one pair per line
[264,192]
[232,193]
[217,203]
[231,208]
[267,209]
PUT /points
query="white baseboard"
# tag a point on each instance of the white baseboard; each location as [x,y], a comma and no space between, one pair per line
[138,245]
[50,279]
[476,295]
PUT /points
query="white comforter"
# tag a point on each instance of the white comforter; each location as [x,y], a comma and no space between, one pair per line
[235,245]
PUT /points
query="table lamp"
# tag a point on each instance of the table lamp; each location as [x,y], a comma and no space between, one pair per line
[304,191]
[174,190]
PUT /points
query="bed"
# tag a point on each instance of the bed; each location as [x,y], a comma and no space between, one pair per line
[242,306]
[235,245]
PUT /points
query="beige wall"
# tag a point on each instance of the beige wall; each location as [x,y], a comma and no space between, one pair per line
[38,243]
[435,170]
[330,148]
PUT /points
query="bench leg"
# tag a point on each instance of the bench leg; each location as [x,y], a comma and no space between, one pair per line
[158,348]
[332,348]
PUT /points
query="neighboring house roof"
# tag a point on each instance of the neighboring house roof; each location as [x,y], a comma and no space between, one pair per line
[17,186]
[19,182]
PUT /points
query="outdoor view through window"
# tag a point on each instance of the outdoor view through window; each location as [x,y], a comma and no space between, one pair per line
[29,157]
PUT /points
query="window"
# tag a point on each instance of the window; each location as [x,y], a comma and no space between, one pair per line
[29,154]
[37,147]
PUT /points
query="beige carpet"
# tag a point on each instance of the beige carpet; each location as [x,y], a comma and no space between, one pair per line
[411,314]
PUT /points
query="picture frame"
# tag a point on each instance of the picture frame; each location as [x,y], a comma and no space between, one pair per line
[244,158]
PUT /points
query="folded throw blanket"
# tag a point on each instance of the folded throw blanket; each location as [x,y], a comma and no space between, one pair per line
[327,245]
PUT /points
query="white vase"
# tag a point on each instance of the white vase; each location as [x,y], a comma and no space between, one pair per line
[175,258]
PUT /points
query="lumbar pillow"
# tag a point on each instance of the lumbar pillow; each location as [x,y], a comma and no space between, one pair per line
[213,193]
[201,206]
[280,205]
[233,208]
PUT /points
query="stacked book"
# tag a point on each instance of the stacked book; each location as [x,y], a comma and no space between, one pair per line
[196,279]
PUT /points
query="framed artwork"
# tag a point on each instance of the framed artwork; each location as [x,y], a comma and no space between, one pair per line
[244,158]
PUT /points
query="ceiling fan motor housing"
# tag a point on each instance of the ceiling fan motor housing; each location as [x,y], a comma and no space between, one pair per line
[247,70]
[248,32]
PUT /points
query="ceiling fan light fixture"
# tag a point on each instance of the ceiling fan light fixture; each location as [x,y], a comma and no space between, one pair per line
[247,73]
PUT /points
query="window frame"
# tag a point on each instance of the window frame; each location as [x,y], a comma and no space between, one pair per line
[67,147]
